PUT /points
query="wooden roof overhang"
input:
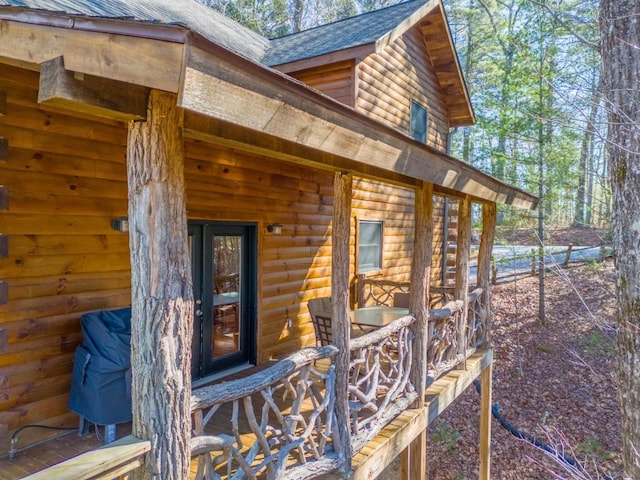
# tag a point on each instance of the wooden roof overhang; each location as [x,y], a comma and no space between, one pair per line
[89,65]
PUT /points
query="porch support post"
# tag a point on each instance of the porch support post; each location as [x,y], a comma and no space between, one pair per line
[414,456]
[341,325]
[484,266]
[161,289]
[462,270]
[485,422]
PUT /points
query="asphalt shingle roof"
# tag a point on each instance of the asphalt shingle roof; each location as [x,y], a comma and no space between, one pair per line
[350,32]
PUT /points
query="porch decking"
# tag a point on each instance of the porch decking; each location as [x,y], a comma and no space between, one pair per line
[374,456]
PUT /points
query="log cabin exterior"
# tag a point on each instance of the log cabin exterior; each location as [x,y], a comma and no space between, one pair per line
[311,150]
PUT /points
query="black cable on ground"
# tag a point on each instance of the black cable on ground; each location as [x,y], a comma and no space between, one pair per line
[495,411]
[14,438]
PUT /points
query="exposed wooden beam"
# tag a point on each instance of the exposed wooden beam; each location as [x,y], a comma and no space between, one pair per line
[90,94]
[220,87]
[128,58]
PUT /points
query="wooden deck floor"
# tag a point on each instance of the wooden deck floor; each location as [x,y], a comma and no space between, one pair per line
[366,464]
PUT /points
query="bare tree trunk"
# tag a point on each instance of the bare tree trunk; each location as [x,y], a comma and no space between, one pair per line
[161,290]
[620,35]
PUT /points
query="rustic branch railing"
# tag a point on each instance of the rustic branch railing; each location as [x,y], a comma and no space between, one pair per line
[443,352]
[282,422]
[379,373]
[476,333]
[380,291]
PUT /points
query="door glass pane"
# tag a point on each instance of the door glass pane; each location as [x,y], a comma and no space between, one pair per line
[227,261]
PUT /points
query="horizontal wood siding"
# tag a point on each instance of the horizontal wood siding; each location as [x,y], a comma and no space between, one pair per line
[387,82]
[335,80]
[394,206]
[66,180]
[224,184]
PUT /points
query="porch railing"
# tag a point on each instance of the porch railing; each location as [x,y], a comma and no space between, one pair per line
[379,379]
[281,421]
[381,291]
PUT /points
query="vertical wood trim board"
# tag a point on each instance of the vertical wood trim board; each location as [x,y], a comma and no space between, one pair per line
[3,103]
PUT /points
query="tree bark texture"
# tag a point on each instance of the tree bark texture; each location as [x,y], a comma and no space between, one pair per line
[341,324]
[161,289]
[483,277]
[620,46]
[420,274]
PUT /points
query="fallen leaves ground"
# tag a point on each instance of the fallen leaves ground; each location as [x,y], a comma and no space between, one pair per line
[554,378]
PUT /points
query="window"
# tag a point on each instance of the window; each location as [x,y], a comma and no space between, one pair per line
[418,122]
[369,246]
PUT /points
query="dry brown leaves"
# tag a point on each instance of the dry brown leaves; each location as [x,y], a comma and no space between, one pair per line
[553,378]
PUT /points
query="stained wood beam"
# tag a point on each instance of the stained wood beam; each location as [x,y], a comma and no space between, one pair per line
[484,265]
[90,94]
[3,103]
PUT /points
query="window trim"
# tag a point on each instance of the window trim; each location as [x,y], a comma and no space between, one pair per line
[376,268]
[417,106]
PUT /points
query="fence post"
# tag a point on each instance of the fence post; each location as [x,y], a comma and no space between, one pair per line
[568,255]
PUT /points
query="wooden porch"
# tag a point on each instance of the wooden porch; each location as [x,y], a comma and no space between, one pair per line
[279,420]
[372,459]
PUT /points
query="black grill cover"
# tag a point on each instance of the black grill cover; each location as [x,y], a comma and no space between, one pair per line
[101,382]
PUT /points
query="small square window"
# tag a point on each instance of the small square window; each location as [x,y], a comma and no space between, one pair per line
[369,246]
[418,122]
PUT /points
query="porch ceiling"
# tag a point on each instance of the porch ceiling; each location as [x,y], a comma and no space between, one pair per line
[234,99]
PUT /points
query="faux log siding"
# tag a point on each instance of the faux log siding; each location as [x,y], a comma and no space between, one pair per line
[293,267]
[389,80]
[395,207]
[335,80]
[66,180]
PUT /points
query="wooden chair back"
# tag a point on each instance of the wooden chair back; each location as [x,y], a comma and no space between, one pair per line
[321,311]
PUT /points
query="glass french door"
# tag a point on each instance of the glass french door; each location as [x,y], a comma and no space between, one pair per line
[223,258]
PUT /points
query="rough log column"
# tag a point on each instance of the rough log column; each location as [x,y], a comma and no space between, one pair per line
[462,268]
[162,295]
[414,456]
[342,186]
[483,281]
[483,278]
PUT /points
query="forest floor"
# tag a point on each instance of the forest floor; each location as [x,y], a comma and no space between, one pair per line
[553,380]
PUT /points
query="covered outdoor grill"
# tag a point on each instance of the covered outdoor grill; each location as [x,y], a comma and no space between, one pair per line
[101,381]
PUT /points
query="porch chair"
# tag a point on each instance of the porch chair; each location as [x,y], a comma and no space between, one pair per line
[321,311]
